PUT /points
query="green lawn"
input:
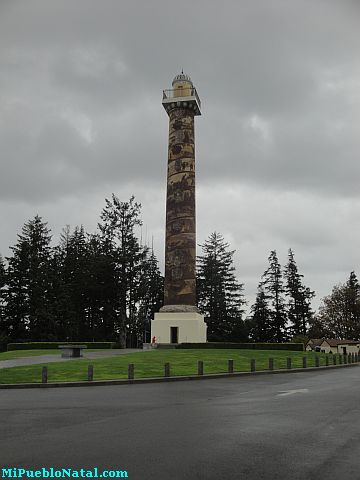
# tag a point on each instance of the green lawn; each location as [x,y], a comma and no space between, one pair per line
[151,364]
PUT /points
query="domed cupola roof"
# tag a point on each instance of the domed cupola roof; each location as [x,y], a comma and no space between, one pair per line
[182,77]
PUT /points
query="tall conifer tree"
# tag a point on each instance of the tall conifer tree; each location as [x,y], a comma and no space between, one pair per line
[117,227]
[3,325]
[274,290]
[102,291]
[150,296]
[299,305]
[219,293]
[261,324]
[353,304]
[76,278]
[27,307]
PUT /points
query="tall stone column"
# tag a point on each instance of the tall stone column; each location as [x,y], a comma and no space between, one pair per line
[180,246]
[179,320]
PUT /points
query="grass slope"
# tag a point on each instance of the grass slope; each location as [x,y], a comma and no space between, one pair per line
[151,364]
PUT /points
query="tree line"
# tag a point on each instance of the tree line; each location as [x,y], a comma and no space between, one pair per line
[107,286]
[282,309]
[89,287]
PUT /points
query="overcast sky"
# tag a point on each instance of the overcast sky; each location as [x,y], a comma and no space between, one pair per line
[277,145]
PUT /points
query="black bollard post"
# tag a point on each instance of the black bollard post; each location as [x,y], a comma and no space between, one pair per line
[334,359]
[90,373]
[304,362]
[288,363]
[317,361]
[327,360]
[271,364]
[253,365]
[167,370]
[44,375]
[131,369]
[230,366]
[200,367]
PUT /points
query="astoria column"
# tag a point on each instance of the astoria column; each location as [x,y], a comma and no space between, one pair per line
[179,320]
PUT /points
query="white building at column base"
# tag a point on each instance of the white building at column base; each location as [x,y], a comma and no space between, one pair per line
[178,327]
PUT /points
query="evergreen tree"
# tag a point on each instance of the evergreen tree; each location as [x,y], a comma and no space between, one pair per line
[87,288]
[150,297]
[106,276]
[219,294]
[27,311]
[73,259]
[274,290]
[62,294]
[119,220]
[102,291]
[3,325]
[299,305]
[16,308]
[261,330]
[2,286]
[353,305]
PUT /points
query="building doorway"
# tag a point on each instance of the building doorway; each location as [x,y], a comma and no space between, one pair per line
[174,333]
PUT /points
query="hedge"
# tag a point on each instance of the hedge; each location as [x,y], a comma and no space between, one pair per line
[249,346]
[54,345]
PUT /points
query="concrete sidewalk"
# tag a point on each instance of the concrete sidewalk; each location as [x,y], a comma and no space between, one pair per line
[20,362]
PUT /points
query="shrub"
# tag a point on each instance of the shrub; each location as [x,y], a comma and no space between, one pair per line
[299,347]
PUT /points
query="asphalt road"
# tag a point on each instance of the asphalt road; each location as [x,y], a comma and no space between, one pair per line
[283,426]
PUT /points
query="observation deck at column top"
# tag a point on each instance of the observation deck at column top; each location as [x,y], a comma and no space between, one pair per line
[183,94]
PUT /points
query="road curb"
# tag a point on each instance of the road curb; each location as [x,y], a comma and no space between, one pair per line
[96,383]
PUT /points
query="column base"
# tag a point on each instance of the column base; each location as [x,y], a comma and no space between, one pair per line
[182,327]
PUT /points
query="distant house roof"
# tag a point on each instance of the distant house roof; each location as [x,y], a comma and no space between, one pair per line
[334,342]
[315,342]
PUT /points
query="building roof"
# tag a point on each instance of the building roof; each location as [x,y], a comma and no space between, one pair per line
[315,342]
[333,342]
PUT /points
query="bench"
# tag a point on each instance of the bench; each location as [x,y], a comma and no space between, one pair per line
[71,351]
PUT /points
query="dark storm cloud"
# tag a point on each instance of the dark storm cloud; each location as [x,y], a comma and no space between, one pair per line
[271,75]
